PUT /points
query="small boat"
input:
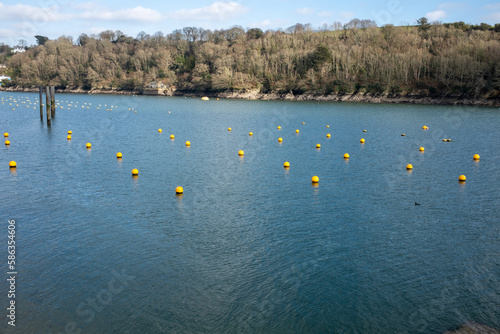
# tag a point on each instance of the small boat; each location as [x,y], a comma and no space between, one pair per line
[205,98]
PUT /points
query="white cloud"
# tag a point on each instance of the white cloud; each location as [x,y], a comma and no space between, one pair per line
[304,11]
[216,11]
[325,14]
[130,14]
[34,14]
[436,15]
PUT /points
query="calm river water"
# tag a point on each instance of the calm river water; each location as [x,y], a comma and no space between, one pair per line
[250,246]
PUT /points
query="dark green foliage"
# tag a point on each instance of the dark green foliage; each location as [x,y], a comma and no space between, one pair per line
[254,33]
[7,83]
[484,26]
[423,24]
[321,55]
[128,84]
[40,40]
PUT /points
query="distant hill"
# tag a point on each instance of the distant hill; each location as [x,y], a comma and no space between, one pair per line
[430,60]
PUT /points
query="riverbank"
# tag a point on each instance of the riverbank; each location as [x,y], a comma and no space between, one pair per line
[474,328]
[409,98]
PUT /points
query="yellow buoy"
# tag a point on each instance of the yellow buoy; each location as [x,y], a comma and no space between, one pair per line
[229,129]
[425,127]
[362,140]
[421,149]
[318,145]
[240,152]
[328,126]
[409,166]
[250,133]
[160,130]
[172,137]
[364,130]
[70,132]
[119,155]
[462,178]
[315,179]
[135,172]
[7,142]
[179,190]
[303,122]
[402,135]
[328,135]
[68,137]
[346,156]
[6,134]
[279,127]
[89,145]
[286,164]
[12,164]
[280,140]
[297,131]
[476,156]
[188,143]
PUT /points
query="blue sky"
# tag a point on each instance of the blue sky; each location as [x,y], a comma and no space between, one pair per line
[54,18]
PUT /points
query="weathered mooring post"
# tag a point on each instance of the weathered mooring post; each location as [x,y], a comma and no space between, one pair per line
[53,100]
[47,101]
[40,91]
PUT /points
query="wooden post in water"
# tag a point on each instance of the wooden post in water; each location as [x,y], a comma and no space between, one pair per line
[47,101]
[40,91]
[53,100]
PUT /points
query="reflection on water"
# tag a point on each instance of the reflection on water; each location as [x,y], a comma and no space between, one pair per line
[252,246]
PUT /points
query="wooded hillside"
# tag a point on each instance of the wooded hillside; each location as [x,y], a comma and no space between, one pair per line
[431,59]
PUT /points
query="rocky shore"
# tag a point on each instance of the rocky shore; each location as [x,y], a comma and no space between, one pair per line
[415,98]
[474,328]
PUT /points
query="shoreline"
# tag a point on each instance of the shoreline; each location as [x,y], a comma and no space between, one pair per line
[417,99]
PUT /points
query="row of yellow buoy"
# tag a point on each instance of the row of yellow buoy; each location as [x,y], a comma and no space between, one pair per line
[315,179]
[286,164]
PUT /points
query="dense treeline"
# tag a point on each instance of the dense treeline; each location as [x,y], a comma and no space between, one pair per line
[357,57]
